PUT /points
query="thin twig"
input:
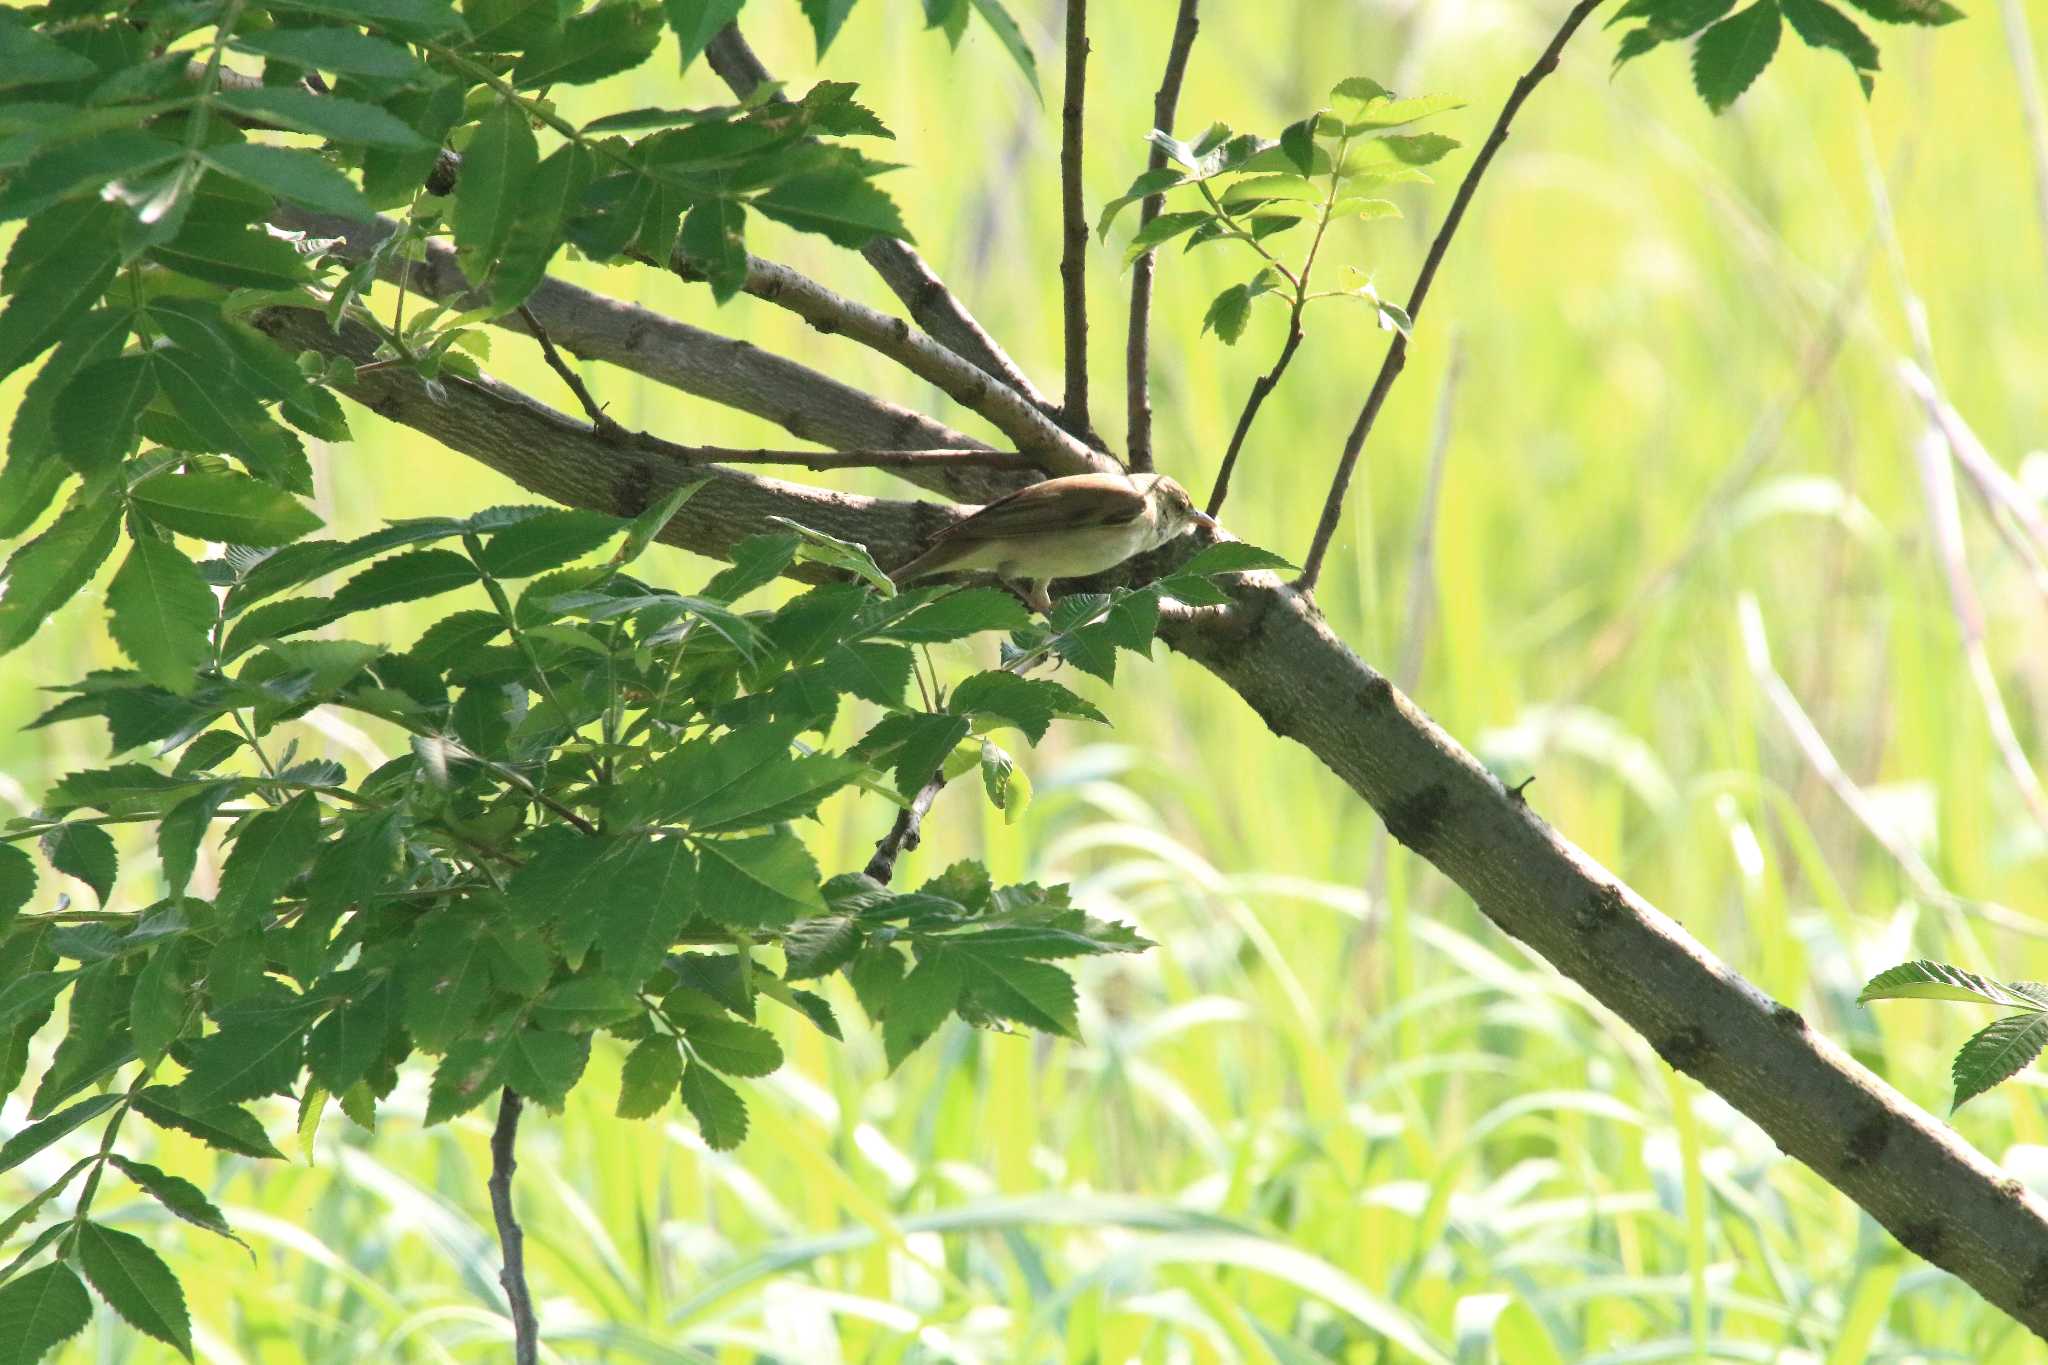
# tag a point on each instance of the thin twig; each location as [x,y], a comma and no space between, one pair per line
[932,305]
[1262,386]
[599,420]
[1074,220]
[2012,511]
[904,834]
[945,457]
[1138,342]
[1397,353]
[511,1241]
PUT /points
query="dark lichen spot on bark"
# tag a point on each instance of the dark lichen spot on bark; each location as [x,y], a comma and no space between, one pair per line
[2012,1187]
[1417,818]
[1686,1050]
[1869,1140]
[633,490]
[1599,910]
[1379,693]
[1785,1017]
[1923,1238]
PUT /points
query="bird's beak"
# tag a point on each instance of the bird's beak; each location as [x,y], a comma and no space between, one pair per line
[1206,522]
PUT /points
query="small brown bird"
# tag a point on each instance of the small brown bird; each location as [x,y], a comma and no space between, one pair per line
[1062,528]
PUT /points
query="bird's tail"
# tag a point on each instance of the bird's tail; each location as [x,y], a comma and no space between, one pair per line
[932,560]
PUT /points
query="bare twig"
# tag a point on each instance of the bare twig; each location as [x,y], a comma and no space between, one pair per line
[935,308]
[841,459]
[1397,353]
[599,421]
[1074,220]
[2011,509]
[1945,516]
[1263,385]
[1138,342]
[903,836]
[965,383]
[512,1241]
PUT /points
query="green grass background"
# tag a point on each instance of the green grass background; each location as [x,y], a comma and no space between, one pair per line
[1333,1111]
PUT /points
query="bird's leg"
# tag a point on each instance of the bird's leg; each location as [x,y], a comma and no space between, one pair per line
[1034,593]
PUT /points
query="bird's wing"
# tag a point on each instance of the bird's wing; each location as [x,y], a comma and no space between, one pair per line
[1072,503]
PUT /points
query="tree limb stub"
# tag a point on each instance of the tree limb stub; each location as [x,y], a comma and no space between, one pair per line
[1942,1199]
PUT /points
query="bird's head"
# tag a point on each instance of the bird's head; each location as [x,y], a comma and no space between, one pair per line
[1173,508]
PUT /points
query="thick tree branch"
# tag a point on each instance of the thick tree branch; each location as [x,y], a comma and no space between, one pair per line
[966,384]
[511,1240]
[1938,1196]
[1074,220]
[934,307]
[1138,342]
[1397,353]
[735,374]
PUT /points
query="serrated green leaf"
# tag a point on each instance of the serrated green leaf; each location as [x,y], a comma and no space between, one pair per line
[1930,13]
[655,891]
[271,850]
[697,22]
[497,164]
[31,58]
[184,1199]
[426,18]
[94,418]
[919,1004]
[330,116]
[840,204]
[228,1128]
[246,1059]
[135,1283]
[1027,703]
[547,541]
[223,505]
[344,51]
[649,1077]
[343,1047]
[760,882]
[957,615]
[1163,229]
[584,1003]
[445,977]
[39,1135]
[1925,980]
[732,1047]
[1821,25]
[1729,57]
[544,1066]
[815,947]
[1998,1050]
[43,574]
[720,1112]
[1023,990]
[303,177]
[590,46]
[161,613]
[85,852]
[912,745]
[1001,23]
[17,882]
[39,1310]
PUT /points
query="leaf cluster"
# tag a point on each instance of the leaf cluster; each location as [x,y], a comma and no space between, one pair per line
[1998,1051]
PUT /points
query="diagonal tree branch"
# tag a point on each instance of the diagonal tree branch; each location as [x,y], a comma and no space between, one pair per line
[735,374]
[1397,353]
[966,384]
[934,307]
[1138,341]
[1941,1198]
[1074,220]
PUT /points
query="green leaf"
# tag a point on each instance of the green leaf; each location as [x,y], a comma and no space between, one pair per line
[1022,990]
[720,1112]
[17,882]
[1027,703]
[270,851]
[818,946]
[223,505]
[1998,1050]
[135,1283]
[761,882]
[329,116]
[161,614]
[743,780]
[646,528]
[1821,25]
[958,615]
[1730,56]
[40,1309]
[584,1003]
[826,18]
[426,18]
[649,1076]
[1009,791]
[227,1128]
[497,164]
[655,891]
[1232,556]
[697,22]
[37,1136]
[1164,228]
[94,417]
[85,164]
[1925,980]
[406,577]
[842,205]
[714,237]
[553,196]
[547,541]
[345,51]
[182,830]
[732,1047]
[592,45]
[70,258]
[249,1057]
[912,745]
[343,1047]
[30,58]
[164,1001]
[303,177]
[446,976]
[545,1066]
[1228,313]
[920,1003]
[85,852]
[184,1199]
[43,574]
